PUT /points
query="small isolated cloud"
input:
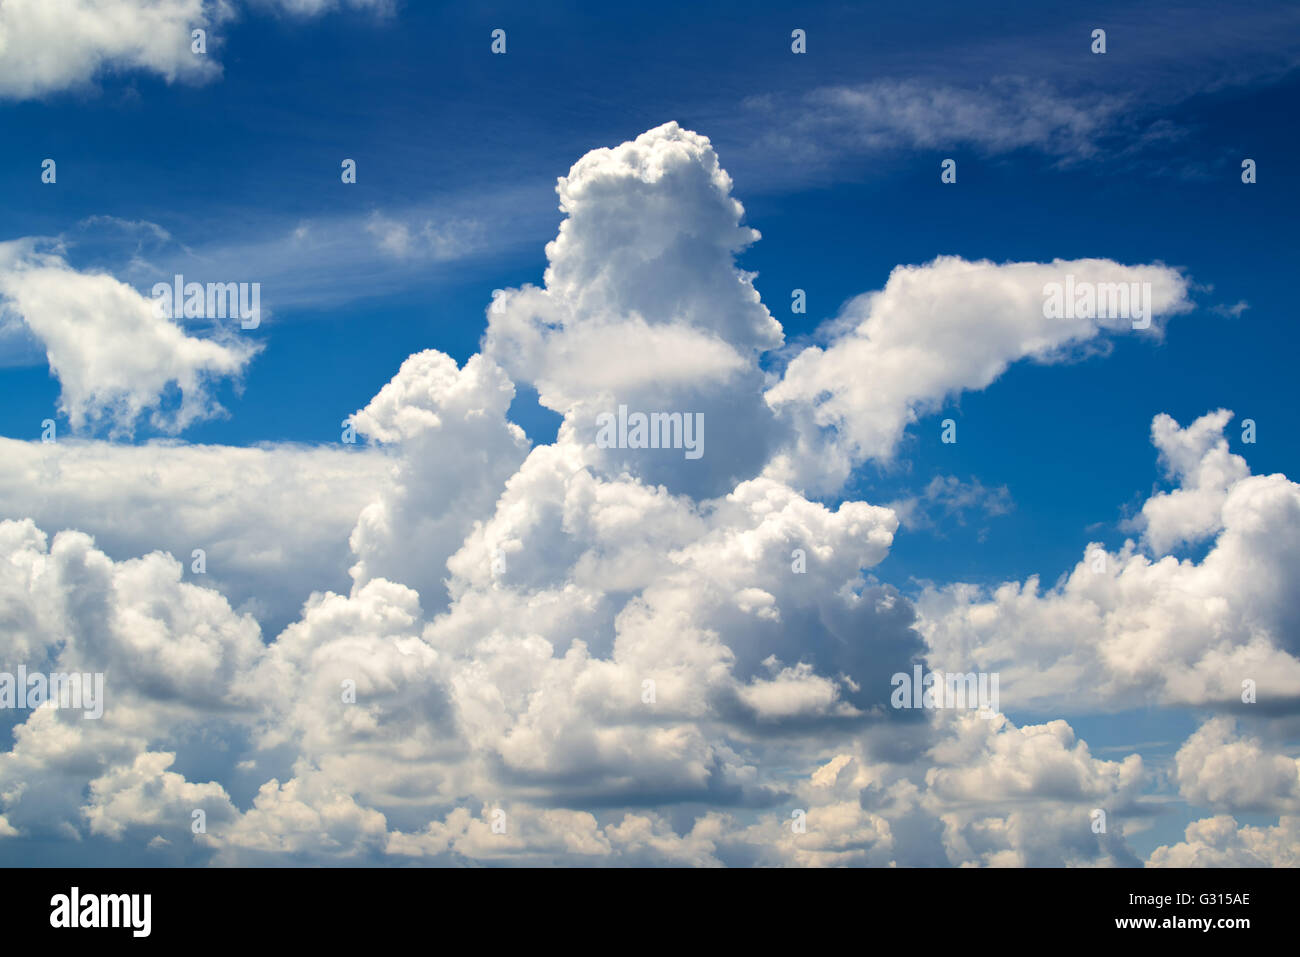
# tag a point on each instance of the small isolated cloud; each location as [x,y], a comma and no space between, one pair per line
[423,239]
[949,499]
[311,8]
[934,331]
[1232,311]
[829,126]
[114,356]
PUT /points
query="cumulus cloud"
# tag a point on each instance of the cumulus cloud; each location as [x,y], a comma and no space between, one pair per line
[51,45]
[576,654]
[984,793]
[643,306]
[148,797]
[161,637]
[1222,770]
[115,358]
[935,331]
[1197,458]
[456,450]
[174,657]
[1130,628]
[272,521]
[1219,842]
[988,793]
[1025,797]
[47,46]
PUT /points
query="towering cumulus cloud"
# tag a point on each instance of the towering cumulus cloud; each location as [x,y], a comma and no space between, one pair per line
[610,652]
[643,306]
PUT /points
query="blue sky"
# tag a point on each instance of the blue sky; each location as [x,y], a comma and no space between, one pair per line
[1133,156]
[434,125]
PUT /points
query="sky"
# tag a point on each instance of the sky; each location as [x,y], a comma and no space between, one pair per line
[395,478]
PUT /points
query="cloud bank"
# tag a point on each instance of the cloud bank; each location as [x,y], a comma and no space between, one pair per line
[570,653]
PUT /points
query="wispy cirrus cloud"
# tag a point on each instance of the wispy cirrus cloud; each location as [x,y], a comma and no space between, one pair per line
[948,499]
[890,115]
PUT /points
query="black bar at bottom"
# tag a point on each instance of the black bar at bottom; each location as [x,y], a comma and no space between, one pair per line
[616,908]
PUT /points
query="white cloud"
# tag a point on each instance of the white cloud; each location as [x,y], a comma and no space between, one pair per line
[51,45]
[1197,458]
[635,663]
[146,795]
[114,357]
[821,128]
[1024,797]
[1126,629]
[934,331]
[1219,842]
[152,633]
[174,657]
[310,8]
[455,451]
[1221,770]
[984,793]
[643,306]
[948,499]
[424,239]
[273,521]
[300,817]
[47,46]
